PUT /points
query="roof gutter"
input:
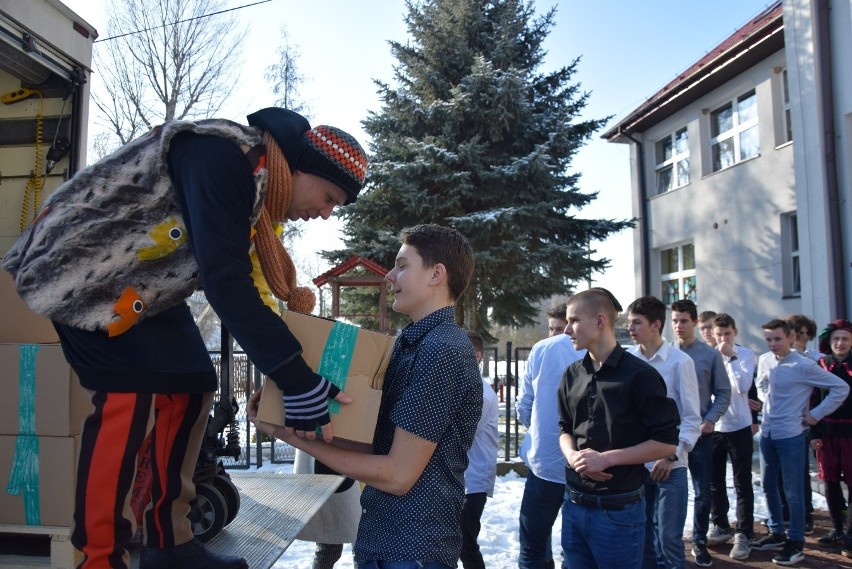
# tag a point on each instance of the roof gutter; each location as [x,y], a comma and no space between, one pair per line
[832,192]
[645,227]
[684,84]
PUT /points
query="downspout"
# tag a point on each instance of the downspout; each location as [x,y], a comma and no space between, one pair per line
[645,233]
[832,191]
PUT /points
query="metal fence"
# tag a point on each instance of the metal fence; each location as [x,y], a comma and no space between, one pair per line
[246,379]
[505,370]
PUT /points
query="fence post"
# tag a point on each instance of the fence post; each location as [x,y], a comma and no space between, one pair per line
[258,436]
[226,364]
[508,391]
[517,387]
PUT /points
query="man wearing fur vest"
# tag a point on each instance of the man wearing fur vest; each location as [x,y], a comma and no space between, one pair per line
[111,259]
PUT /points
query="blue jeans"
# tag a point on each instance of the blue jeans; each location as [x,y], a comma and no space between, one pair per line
[784,457]
[701,470]
[665,515]
[539,508]
[593,538]
[402,565]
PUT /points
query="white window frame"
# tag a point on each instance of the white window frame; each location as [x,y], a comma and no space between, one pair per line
[786,124]
[680,275]
[791,267]
[672,163]
[738,127]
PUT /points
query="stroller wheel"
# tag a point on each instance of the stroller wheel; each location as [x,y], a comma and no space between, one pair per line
[222,483]
[208,512]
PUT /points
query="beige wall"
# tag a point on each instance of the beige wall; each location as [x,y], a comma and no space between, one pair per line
[733,216]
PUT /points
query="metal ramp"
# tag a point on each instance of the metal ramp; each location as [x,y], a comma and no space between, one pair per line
[274,508]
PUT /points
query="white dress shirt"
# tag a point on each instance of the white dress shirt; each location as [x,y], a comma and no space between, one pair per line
[537,407]
[678,371]
[482,456]
[741,373]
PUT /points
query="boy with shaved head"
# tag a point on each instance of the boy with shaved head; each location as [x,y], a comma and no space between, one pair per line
[614,417]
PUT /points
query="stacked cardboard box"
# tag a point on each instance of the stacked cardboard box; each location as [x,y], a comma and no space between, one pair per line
[41,412]
[19,324]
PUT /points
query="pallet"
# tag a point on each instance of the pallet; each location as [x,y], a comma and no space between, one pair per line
[23,546]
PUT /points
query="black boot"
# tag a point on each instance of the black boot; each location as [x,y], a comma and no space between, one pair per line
[192,555]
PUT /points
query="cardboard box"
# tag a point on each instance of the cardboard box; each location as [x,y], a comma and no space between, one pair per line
[337,349]
[51,480]
[19,324]
[60,404]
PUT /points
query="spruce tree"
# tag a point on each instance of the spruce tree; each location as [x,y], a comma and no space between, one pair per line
[475,136]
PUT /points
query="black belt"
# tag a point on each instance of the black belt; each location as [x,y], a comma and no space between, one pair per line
[610,502]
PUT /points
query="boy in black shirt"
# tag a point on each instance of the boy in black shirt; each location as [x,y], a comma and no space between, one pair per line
[614,416]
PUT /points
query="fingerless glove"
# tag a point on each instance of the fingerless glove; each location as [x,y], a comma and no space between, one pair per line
[306,395]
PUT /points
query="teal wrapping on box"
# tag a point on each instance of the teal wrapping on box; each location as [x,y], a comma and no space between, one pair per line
[24,477]
[337,357]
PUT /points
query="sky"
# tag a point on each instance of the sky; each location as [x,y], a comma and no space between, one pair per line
[628,51]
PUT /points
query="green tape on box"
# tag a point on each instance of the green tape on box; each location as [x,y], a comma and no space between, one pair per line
[24,476]
[337,357]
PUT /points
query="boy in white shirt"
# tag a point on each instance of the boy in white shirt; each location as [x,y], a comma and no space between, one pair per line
[733,438]
[667,490]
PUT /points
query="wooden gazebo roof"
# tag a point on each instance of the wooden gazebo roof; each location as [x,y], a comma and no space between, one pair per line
[337,277]
[340,270]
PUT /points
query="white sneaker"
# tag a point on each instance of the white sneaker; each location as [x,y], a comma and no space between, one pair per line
[741,548]
[718,535]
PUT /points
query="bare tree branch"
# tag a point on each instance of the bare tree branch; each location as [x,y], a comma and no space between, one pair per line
[179,66]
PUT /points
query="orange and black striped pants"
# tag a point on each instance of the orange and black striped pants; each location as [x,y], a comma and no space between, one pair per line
[112,436]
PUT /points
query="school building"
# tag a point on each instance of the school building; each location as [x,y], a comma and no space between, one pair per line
[740,172]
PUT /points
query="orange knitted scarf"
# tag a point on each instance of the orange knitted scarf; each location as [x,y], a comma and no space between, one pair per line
[275,262]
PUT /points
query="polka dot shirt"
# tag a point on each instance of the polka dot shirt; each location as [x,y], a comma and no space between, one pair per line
[432,389]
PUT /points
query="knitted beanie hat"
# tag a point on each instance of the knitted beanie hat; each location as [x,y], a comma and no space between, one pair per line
[324,151]
[825,335]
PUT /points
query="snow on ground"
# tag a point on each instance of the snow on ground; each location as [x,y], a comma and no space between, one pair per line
[499,537]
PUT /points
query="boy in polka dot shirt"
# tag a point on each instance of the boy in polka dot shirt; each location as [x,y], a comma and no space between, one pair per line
[431,404]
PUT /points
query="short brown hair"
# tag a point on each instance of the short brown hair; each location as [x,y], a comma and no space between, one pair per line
[799,321]
[685,305]
[723,320]
[558,311]
[778,323]
[706,315]
[650,307]
[438,244]
[601,300]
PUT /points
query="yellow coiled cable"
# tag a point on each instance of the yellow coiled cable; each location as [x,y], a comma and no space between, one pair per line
[32,191]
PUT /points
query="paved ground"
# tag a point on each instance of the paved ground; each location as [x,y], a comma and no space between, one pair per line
[815,554]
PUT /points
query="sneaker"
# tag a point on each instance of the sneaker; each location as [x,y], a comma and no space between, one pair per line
[741,548]
[831,537]
[790,555]
[769,542]
[847,547]
[809,525]
[702,556]
[718,534]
